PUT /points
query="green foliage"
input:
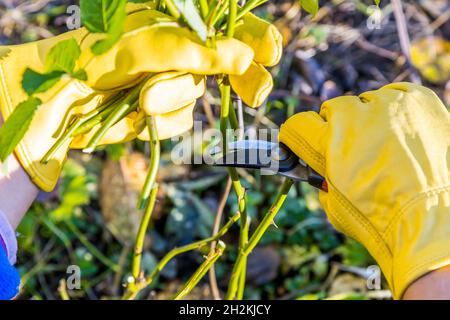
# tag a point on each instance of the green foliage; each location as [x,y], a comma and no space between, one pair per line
[85,260]
[74,191]
[15,127]
[301,235]
[104,16]
[60,60]
[190,13]
[310,6]
[63,56]
[189,217]
[354,254]
[34,82]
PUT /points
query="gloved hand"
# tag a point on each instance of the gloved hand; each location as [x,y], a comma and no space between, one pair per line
[153,43]
[385,155]
[172,108]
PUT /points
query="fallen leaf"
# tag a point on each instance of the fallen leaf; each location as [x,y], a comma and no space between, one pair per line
[120,187]
[431,56]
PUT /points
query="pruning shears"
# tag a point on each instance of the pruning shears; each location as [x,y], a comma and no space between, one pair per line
[273,158]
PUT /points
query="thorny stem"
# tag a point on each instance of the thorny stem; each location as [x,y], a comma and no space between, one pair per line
[172,8]
[129,104]
[249,6]
[204,8]
[152,187]
[155,152]
[176,251]
[140,238]
[215,10]
[237,186]
[81,121]
[201,271]
[115,116]
[220,13]
[256,237]
[232,13]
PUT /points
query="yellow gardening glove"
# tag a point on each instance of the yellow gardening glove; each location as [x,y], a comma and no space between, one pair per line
[173,118]
[385,155]
[161,97]
[266,41]
[173,108]
[152,43]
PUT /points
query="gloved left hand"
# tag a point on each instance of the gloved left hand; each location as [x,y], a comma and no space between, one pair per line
[148,46]
[172,108]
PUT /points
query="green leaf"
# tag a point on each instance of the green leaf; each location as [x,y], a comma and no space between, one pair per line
[104,16]
[192,16]
[15,127]
[310,6]
[60,60]
[35,82]
[104,45]
[377,2]
[80,75]
[63,57]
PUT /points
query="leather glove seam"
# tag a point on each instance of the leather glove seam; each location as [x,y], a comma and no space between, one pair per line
[362,221]
[7,99]
[25,158]
[425,194]
[85,89]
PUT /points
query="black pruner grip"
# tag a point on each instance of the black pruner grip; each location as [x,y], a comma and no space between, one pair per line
[316,180]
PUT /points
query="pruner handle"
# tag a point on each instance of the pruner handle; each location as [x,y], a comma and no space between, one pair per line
[316,180]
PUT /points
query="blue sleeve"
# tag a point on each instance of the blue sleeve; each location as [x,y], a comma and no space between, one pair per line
[9,278]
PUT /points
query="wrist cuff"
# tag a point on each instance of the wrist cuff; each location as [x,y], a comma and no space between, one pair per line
[422,236]
[8,239]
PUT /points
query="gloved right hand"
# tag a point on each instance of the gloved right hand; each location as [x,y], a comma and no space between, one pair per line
[386,158]
[153,43]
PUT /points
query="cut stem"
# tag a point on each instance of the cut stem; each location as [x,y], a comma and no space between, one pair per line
[172,8]
[255,238]
[204,8]
[232,13]
[140,238]
[129,104]
[78,123]
[249,6]
[239,190]
[176,251]
[212,257]
[155,152]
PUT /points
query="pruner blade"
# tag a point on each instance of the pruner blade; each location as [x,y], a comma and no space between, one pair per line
[274,158]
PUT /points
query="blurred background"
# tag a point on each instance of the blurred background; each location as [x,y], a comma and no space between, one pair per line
[90,220]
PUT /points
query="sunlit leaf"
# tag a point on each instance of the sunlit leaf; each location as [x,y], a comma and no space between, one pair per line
[104,16]
[310,6]
[35,82]
[63,56]
[15,127]
[192,16]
